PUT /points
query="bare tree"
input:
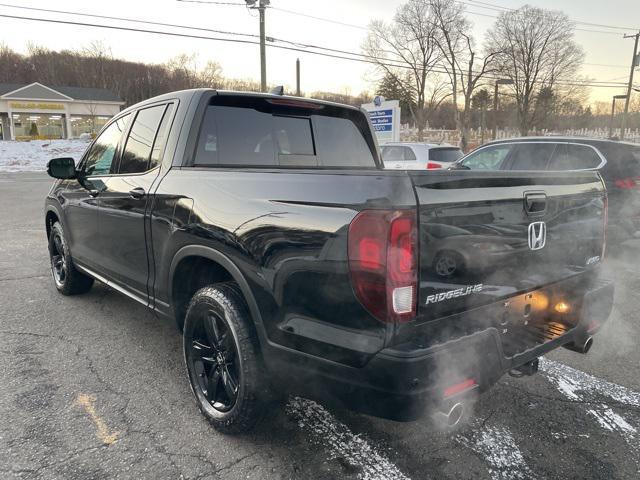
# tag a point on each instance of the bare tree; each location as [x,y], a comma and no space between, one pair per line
[536,50]
[406,50]
[211,76]
[465,66]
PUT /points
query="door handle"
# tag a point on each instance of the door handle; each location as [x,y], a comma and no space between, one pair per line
[137,193]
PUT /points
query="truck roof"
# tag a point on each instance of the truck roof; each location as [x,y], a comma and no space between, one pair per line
[188,94]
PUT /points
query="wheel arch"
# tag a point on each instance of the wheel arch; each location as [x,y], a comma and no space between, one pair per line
[52,214]
[225,263]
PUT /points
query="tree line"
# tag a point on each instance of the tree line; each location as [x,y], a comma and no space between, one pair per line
[427,57]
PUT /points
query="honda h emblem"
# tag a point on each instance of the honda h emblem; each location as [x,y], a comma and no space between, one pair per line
[537,235]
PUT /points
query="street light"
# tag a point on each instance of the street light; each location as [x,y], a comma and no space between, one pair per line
[500,81]
[613,111]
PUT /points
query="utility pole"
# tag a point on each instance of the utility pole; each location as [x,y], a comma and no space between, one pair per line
[263,53]
[500,81]
[633,67]
[297,77]
[613,112]
[262,6]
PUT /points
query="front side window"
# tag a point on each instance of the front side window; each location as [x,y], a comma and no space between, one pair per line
[136,155]
[488,158]
[532,156]
[99,159]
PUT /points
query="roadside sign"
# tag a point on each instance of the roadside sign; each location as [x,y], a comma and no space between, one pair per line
[385,119]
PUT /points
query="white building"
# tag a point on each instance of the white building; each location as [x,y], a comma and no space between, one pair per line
[36,111]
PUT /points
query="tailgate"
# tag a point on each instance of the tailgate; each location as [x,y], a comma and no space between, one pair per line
[488,236]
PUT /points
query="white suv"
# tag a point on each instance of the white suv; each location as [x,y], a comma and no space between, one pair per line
[419,156]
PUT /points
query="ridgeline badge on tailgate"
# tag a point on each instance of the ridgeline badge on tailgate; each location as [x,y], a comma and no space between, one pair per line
[458,292]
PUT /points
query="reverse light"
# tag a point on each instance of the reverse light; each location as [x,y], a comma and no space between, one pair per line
[383,263]
[433,166]
[562,307]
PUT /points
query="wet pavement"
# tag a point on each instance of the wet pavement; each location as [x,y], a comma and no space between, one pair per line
[94,387]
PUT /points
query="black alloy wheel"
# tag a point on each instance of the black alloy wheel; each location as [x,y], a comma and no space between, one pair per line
[68,279]
[58,261]
[222,357]
[214,358]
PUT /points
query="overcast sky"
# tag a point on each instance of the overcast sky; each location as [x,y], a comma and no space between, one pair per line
[318,73]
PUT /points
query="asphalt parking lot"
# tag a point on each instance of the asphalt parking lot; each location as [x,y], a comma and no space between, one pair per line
[94,387]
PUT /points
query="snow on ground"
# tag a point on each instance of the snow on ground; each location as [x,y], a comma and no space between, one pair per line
[33,156]
[356,451]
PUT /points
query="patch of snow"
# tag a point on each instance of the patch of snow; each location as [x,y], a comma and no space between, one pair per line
[574,383]
[610,420]
[327,431]
[577,385]
[500,451]
[33,156]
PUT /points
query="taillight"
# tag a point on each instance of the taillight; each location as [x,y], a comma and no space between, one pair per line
[628,183]
[383,263]
[433,166]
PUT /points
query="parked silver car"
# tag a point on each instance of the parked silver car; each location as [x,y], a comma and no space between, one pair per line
[419,156]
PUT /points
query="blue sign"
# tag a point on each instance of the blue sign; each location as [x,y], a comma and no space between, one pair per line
[381,113]
[385,119]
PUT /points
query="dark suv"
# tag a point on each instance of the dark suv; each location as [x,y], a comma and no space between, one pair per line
[618,162]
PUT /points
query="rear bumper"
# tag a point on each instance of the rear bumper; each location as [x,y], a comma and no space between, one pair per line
[401,382]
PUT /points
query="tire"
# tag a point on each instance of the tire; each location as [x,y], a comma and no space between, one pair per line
[67,279]
[222,359]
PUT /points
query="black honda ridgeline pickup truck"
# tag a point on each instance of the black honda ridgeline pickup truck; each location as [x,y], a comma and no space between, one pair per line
[292,262]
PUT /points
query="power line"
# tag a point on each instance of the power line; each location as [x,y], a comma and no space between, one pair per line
[123,19]
[501,8]
[372,60]
[322,19]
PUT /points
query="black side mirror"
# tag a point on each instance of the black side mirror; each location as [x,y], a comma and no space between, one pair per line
[62,168]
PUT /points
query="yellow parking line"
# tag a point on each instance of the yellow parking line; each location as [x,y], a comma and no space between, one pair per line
[102,431]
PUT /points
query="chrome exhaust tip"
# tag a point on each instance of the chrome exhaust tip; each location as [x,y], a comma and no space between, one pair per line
[580,347]
[452,418]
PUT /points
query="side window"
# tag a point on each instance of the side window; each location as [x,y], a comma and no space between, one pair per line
[99,159]
[445,155]
[161,138]
[489,158]
[532,156]
[136,156]
[408,154]
[395,153]
[574,157]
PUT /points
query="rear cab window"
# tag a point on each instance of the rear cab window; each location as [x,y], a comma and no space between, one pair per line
[281,132]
